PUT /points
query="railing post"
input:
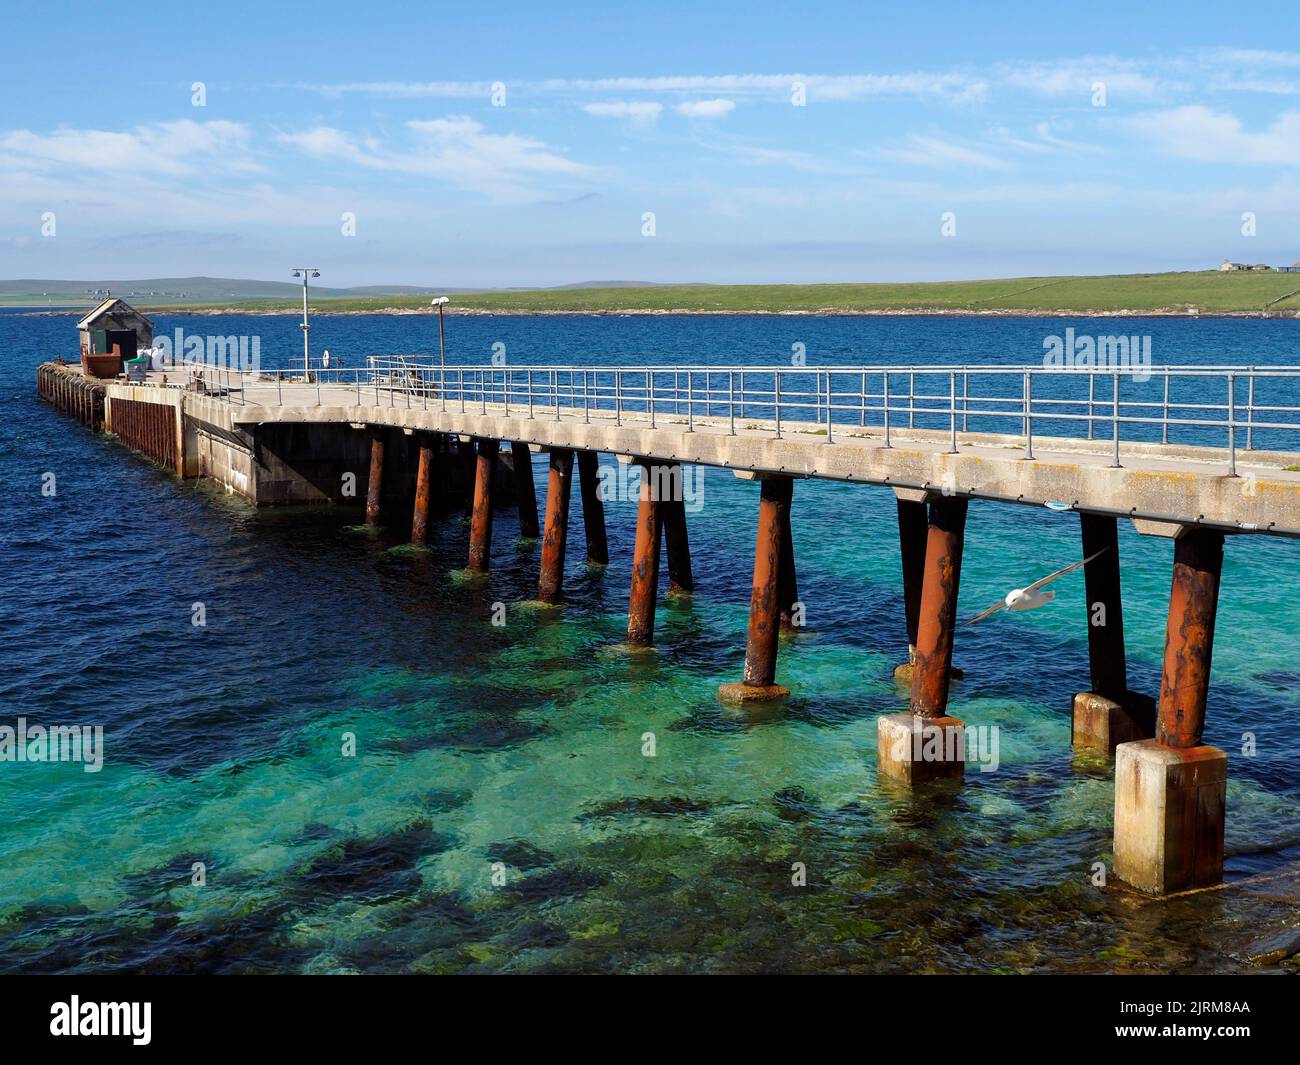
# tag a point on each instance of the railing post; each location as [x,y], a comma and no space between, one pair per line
[650,395]
[965,400]
[690,402]
[1029,416]
[586,399]
[1232,424]
[1092,395]
[830,426]
[1115,422]
[862,415]
[952,413]
[529,388]
[911,400]
[618,397]
[731,402]
[1164,421]
[1250,411]
[884,402]
[776,396]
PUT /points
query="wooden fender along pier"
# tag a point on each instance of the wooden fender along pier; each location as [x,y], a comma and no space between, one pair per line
[1192,454]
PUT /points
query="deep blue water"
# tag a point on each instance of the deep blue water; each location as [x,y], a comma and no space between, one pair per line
[516,751]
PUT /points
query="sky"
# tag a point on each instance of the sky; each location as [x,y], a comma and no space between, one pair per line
[503,144]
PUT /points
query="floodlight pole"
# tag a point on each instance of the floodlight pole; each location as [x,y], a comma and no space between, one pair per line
[306,273]
[440,302]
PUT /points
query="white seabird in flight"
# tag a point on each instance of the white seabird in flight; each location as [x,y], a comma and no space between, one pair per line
[1032,597]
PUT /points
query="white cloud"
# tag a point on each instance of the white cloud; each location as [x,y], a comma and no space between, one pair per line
[402,90]
[1076,77]
[935,151]
[1268,87]
[753,155]
[457,150]
[640,113]
[160,148]
[706,108]
[819,87]
[1254,57]
[1046,141]
[1199,133]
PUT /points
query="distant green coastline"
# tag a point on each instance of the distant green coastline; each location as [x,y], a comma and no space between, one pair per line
[1202,292]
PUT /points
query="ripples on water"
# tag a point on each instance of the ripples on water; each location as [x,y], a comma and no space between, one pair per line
[519,748]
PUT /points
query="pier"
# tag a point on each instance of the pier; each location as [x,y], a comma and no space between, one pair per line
[1196,455]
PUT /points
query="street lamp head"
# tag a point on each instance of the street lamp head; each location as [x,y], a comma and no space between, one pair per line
[296,273]
[315,273]
[439,300]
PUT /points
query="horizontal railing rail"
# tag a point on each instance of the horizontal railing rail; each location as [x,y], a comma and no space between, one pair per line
[1234,408]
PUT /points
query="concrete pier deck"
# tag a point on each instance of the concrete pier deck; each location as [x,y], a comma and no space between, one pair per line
[1156,484]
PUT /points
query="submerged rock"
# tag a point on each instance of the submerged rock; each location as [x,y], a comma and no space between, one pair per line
[562,881]
[520,854]
[440,801]
[534,934]
[671,806]
[794,804]
[1275,947]
[379,867]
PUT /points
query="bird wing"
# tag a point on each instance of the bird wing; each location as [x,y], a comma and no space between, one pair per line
[1044,581]
[999,605]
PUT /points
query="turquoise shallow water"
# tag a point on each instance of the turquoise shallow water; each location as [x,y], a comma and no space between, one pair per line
[499,814]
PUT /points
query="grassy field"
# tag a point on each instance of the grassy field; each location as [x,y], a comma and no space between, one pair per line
[1208,292]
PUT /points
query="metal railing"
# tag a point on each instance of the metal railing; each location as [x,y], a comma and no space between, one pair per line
[1210,406]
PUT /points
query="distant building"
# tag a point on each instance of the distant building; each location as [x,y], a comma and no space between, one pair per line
[1228,265]
[115,322]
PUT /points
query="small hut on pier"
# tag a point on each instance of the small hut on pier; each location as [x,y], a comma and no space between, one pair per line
[113,331]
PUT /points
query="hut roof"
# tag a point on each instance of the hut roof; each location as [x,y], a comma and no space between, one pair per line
[108,305]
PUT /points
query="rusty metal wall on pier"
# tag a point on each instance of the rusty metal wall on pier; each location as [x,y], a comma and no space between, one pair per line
[149,428]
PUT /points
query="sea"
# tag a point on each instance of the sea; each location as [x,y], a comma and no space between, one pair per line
[348,767]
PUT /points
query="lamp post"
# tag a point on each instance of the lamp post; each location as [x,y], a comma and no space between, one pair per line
[306,273]
[440,302]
